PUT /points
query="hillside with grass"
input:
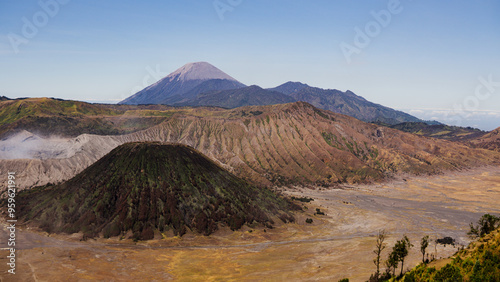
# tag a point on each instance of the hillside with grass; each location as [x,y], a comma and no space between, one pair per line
[490,141]
[147,188]
[48,116]
[440,131]
[480,261]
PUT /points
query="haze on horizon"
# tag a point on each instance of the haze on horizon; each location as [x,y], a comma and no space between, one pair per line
[432,60]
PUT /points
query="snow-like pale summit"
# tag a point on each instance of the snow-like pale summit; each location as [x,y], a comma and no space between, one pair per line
[201,71]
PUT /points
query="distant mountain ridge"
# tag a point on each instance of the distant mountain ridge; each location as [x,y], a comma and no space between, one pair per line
[346,103]
[289,87]
[201,84]
[333,100]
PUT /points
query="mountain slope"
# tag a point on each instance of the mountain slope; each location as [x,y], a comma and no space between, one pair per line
[490,140]
[144,187]
[178,82]
[246,96]
[292,143]
[207,86]
[346,103]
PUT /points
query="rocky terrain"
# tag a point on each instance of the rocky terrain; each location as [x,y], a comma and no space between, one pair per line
[328,159]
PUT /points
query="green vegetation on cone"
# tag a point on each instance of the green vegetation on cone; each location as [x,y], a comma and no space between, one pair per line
[144,187]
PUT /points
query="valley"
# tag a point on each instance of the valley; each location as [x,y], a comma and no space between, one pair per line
[231,140]
[336,245]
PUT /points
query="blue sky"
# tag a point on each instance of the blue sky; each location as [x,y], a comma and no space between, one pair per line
[429,58]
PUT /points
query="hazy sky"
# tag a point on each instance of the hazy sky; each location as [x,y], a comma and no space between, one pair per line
[434,59]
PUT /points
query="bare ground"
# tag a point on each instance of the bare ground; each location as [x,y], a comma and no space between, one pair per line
[336,245]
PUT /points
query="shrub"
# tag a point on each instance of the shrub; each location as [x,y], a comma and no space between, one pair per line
[448,273]
[309,220]
[319,212]
[446,241]
[302,199]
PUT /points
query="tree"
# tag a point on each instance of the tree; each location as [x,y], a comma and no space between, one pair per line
[392,262]
[424,243]
[403,248]
[486,224]
[379,247]
[399,253]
